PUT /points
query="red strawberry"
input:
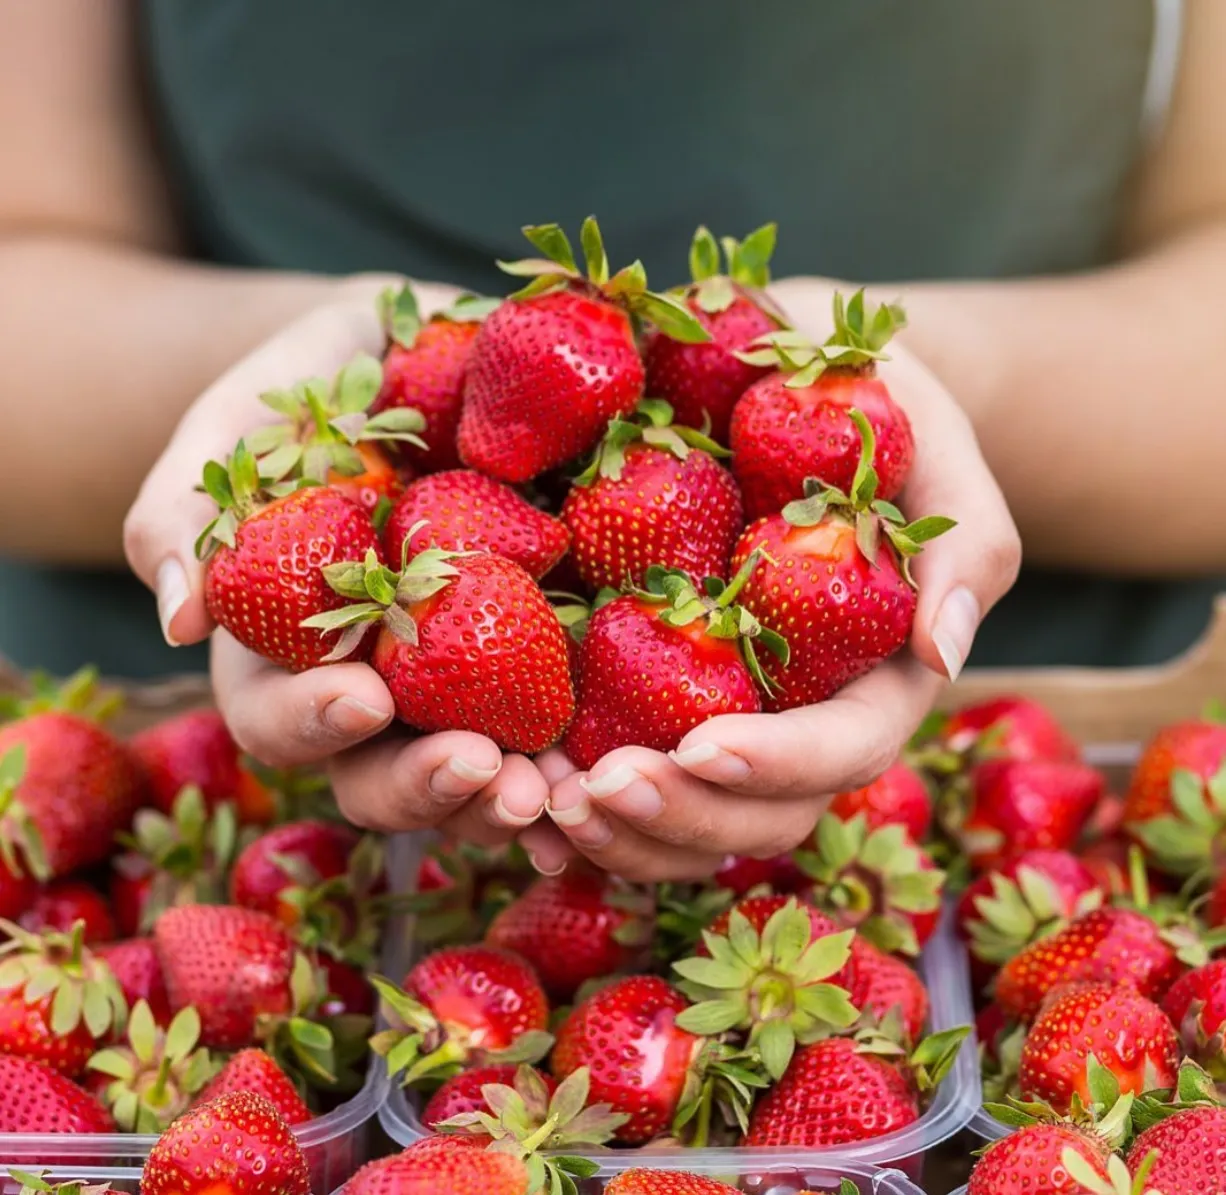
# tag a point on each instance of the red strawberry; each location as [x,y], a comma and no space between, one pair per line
[796,423]
[555,362]
[63,903]
[1127,1034]
[1188,1152]
[347,988]
[433,1165]
[1109,945]
[1032,1161]
[138,971]
[377,486]
[1196,1005]
[1108,860]
[1010,806]
[261,1156]
[874,881]
[878,983]
[899,795]
[467,642]
[264,574]
[843,599]
[462,511]
[1013,727]
[741,873]
[1027,898]
[704,381]
[254,1070]
[654,494]
[66,788]
[1215,907]
[576,927]
[666,1182]
[463,1006]
[424,369]
[18,889]
[196,749]
[1197,746]
[41,1100]
[462,1093]
[656,663]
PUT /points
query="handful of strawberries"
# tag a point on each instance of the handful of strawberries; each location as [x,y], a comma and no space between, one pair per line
[556,447]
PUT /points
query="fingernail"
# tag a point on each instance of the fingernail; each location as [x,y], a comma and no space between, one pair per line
[582,824]
[542,868]
[611,782]
[576,815]
[497,812]
[638,799]
[171,584]
[352,718]
[954,631]
[457,778]
[712,763]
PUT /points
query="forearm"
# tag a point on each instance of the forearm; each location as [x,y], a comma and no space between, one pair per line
[1097,398]
[101,349]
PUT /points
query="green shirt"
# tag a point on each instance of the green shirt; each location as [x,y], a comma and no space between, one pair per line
[890,139]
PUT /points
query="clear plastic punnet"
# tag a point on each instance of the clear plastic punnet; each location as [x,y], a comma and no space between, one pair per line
[944,968]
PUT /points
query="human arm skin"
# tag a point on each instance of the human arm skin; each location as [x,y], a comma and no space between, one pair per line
[1098,397]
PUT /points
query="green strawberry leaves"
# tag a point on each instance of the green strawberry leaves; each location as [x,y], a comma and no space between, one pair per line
[652,423]
[1184,841]
[747,266]
[21,841]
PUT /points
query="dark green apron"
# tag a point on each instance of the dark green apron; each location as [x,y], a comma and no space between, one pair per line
[890,139]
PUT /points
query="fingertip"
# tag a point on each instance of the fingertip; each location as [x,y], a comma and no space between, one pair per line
[943,642]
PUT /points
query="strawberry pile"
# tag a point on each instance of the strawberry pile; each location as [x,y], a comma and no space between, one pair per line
[546,471]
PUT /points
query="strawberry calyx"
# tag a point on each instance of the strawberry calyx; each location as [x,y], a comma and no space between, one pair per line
[652,424]
[1194,1088]
[1109,1114]
[558,269]
[33,1183]
[683,911]
[871,880]
[722,1082]
[156,1074]
[1118,1180]
[423,1050]
[1180,928]
[55,965]
[746,269]
[1002,1065]
[771,987]
[305,1045]
[401,318]
[523,1119]
[871,516]
[79,694]
[21,841]
[573,612]
[1190,840]
[926,1064]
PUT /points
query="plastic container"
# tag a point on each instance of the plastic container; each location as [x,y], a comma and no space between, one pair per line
[944,968]
[126,1178]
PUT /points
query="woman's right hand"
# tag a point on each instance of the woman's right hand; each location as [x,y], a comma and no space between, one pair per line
[341,715]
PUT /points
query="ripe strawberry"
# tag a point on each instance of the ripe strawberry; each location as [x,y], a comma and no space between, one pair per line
[1188,1152]
[879,984]
[576,927]
[63,903]
[66,788]
[556,361]
[654,494]
[1108,860]
[261,1156]
[1012,727]
[41,1100]
[462,511]
[843,599]
[466,642]
[265,560]
[463,1092]
[433,1165]
[741,873]
[876,882]
[57,1000]
[255,1070]
[796,423]
[196,749]
[1111,945]
[424,368]
[138,971]
[1196,1005]
[674,1182]
[1033,1161]
[462,1006]
[1025,899]
[660,661]
[1197,746]
[1125,1033]
[898,796]
[1006,807]
[758,910]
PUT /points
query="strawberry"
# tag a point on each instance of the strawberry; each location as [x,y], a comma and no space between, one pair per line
[556,361]
[898,796]
[704,381]
[196,749]
[63,903]
[758,910]
[1109,861]
[1025,899]
[879,984]
[842,1090]
[795,423]
[254,1070]
[843,599]
[1196,1005]
[151,1078]
[1110,1024]
[66,788]
[666,1182]
[138,971]
[1034,1161]
[877,882]
[575,927]
[1005,807]
[741,873]
[424,368]
[463,1092]
[661,660]
[18,889]
[1109,945]
[1186,1152]
[434,1165]
[466,642]
[265,555]
[462,511]
[1197,746]
[57,1000]
[462,1006]
[654,494]
[41,1100]
[260,1155]
[1012,727]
